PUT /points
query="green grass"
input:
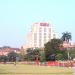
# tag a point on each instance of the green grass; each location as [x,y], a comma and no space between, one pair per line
[21,69]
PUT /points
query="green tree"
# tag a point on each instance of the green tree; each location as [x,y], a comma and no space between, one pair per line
[72,53]
[66,36]
[52,48]
[42,56]
[59,56]
[12,56]
[3,58]
[32,54]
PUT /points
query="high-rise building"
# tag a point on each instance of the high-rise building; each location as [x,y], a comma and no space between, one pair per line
[40,34]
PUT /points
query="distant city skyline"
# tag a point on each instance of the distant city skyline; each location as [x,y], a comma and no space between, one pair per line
[17,16]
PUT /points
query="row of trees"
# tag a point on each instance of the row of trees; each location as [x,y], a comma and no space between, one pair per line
[45,55]
[10,57]
[53,50]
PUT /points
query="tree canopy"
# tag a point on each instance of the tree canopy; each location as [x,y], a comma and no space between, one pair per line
[52,48]
[66,36]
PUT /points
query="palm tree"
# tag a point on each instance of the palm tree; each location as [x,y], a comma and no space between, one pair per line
[66,36]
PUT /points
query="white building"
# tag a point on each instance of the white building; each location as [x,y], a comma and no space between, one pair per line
[40,34]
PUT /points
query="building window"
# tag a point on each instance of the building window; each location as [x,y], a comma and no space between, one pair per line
[40,41]
[44,29]
[44,34]
[40,35]
[40,29]
[49,29]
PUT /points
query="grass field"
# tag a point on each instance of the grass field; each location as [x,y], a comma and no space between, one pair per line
[21,69]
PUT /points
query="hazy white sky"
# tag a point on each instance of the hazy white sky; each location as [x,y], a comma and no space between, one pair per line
[17,16]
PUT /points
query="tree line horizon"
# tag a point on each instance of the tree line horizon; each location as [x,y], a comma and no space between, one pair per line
[53,50]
